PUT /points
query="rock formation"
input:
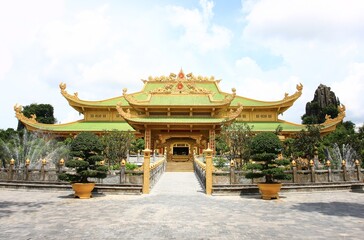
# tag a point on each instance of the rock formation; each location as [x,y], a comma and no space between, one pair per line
[324,102]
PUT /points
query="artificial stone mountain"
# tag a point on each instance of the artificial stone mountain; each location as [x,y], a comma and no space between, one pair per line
[325,103]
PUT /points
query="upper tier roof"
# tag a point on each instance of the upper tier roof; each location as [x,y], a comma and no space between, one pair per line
[181,91]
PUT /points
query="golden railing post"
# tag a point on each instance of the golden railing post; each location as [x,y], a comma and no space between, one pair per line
[329,173]
[357,166]
[232,172]
[343,166]
[312,168]
[294,171]
[27,163]
[208,154]
[11,169]
[122,171]
[42,169]
[146,171]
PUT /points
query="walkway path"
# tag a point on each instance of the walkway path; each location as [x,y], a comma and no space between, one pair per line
[177,183]
[180,211]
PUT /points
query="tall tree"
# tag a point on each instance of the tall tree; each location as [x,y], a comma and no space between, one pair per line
[305,142]
[116,145]
[44,113]
[238,137]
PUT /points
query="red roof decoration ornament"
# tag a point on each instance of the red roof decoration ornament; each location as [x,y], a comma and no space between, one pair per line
[180,85]
[181,74]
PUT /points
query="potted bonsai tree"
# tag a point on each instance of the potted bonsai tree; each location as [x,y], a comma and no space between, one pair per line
[265,148]
[85,160]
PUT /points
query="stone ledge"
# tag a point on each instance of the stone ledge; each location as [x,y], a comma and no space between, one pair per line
[63,186]
[252,189]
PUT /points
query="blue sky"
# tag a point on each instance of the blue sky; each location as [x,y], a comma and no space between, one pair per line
[263,48]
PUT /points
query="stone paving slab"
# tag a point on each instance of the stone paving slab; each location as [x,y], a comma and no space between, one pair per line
[171,214]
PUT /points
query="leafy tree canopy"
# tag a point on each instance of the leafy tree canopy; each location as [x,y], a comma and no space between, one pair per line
[86,151]
[44,113]
[116,145]
[235,138]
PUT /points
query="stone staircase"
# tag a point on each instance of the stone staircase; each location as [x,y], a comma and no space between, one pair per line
[179,167]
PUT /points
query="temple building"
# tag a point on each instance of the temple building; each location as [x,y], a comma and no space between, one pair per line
[180,113]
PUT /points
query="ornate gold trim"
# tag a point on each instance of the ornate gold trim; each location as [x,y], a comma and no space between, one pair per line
[125,114]
[63,87]
[20,116]
[296,95]
[180,77]
[234,114]
[341,115]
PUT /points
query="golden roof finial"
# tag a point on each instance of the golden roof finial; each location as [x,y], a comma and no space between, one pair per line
[299,87]
[18,108]
[62,86]
[181,75]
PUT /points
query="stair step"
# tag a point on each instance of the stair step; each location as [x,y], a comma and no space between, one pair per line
[179,167]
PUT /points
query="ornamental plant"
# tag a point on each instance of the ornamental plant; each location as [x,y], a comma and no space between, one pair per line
[265,148]
[85,153]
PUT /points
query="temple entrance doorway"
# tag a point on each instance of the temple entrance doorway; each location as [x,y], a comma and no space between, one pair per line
[180,152]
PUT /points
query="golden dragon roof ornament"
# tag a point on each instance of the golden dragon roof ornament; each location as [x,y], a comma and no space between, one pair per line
[296,95]
[20,115]
[63,87]
[341,115]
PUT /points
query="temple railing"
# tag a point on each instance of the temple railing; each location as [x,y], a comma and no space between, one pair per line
[156,170]
[138,159]
[45,174]
[200,169]
[234,175]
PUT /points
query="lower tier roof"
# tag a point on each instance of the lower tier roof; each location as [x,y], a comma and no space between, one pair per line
[83,126]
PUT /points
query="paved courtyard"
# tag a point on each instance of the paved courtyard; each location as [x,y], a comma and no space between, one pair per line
[177,208]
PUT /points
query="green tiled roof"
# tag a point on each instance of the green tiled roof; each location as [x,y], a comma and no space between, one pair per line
[249,102]
[112,102]
[180,100]
[85,126]
[272,126]
[187,120]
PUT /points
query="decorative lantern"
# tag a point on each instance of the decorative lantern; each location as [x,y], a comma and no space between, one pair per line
[328,163]
[27,162]
[123,162]
[293,163]
[311,163]
[357,163]
[61,162]
[343,163]
[232,163]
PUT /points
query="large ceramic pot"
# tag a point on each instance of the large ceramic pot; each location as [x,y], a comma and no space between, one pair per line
[269,190]
[83,190]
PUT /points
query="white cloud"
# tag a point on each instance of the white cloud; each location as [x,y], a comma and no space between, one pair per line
[269,85]
[99,49]
[86,35]
[307,19]
[350,90]
[319,42]
[199,31]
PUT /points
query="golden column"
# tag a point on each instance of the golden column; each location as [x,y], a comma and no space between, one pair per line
[146,171]
[208,156]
